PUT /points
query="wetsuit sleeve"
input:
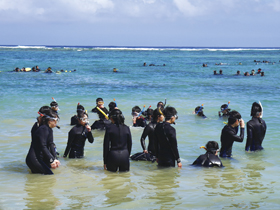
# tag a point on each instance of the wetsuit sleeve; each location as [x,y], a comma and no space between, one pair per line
[144,135]
[249,137]
[174,146]
[106,149]
[43,139]
[52,148]
[69,143]
[90,137]
[94,110]
[235,137]
[129,141]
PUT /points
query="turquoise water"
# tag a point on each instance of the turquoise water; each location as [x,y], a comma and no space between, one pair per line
[248,181]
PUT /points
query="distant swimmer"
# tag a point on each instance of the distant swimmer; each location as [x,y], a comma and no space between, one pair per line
[252,73]
[239,63]
[37,68]
[199,112]
[259,71]
[17,69]
[229,133]
[262,74]
[246,74]
[221,72]
[49,70]
[237,73]
[215,72]
[115,70]
[145,64]
[204,65]
[210,158]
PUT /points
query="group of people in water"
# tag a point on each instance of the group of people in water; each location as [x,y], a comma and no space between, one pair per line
[117,144]
[37,69]
[260,72]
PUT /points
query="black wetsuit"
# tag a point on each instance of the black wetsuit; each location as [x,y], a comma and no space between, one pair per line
[228,136]
[256,129]
[208,160]
[103,122]
[149,131]
[76,141]
[74,120]
[117,147]
[140,122]
[166,145]
[44,148]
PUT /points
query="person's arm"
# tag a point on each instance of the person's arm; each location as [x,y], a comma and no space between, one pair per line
[237,138]
[71,136]
[145,133]
[106,146]
[129,141]
[89,134]
[43,140]
[249,137]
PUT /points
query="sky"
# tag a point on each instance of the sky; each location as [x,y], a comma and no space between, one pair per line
[170,23]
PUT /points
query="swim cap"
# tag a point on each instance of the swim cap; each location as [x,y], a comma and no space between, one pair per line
[99,99]
[53,103]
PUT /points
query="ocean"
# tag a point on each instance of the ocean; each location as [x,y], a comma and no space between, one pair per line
[248,180]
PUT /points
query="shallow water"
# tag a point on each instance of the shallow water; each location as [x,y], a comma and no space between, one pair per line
[248,181]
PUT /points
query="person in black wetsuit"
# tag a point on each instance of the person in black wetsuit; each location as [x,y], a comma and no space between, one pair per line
[256,129]
[117,143]
[54,106]
[229,133]
[43,145]
[199,112]
[166,148]
[102,122]
[210,158]
[75,119]
[77,137]
[138,121]
[224,111]
[31,159]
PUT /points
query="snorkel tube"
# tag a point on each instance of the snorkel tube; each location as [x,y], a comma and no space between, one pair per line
[53,99]
[225,107]
[102,113]
[262,109]
[115,102]
[199,109]
[142,111]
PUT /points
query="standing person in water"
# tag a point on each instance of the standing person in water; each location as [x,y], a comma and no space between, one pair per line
[117,143]
[31,159]
[229,133]
[165,140]
[77,137]
[43,144]
[102,122]
[256,129]
[210,158]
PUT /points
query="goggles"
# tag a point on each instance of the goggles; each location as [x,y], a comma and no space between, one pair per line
[134,114]
[53,118]
[85,120]
[176,117]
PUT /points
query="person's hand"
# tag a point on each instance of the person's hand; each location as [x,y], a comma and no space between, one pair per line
[179,165]
[55,164]
[105,167]
[241,122]
[88,128]
[145,151]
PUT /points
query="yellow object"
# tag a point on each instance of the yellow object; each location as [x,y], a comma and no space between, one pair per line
[202,147]
[65,70]
[225,123]
[103,113]
[160,112]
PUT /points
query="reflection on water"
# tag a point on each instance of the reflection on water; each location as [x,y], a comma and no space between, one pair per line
[39,189]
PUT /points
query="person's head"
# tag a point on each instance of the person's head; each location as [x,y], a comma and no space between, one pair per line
[234,118]
[43,110]
[80,107]
[54,105]
[116,117]
[213,147]
[158,115]
[49,69]
[50,118]
[199,110]
[99,101]
[215,72]
[224,108]
[82,118]
[238,72]
[221,71]
[149,113]
[160,105]
[170,114]
[135,111]
[112,105]
[256,110]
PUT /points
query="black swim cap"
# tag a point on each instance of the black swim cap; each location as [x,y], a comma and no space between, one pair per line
[233,116]
[44,109]
[169,112]
[256,108]
[53,103]
[212,146]
[80,107]
[99,99]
